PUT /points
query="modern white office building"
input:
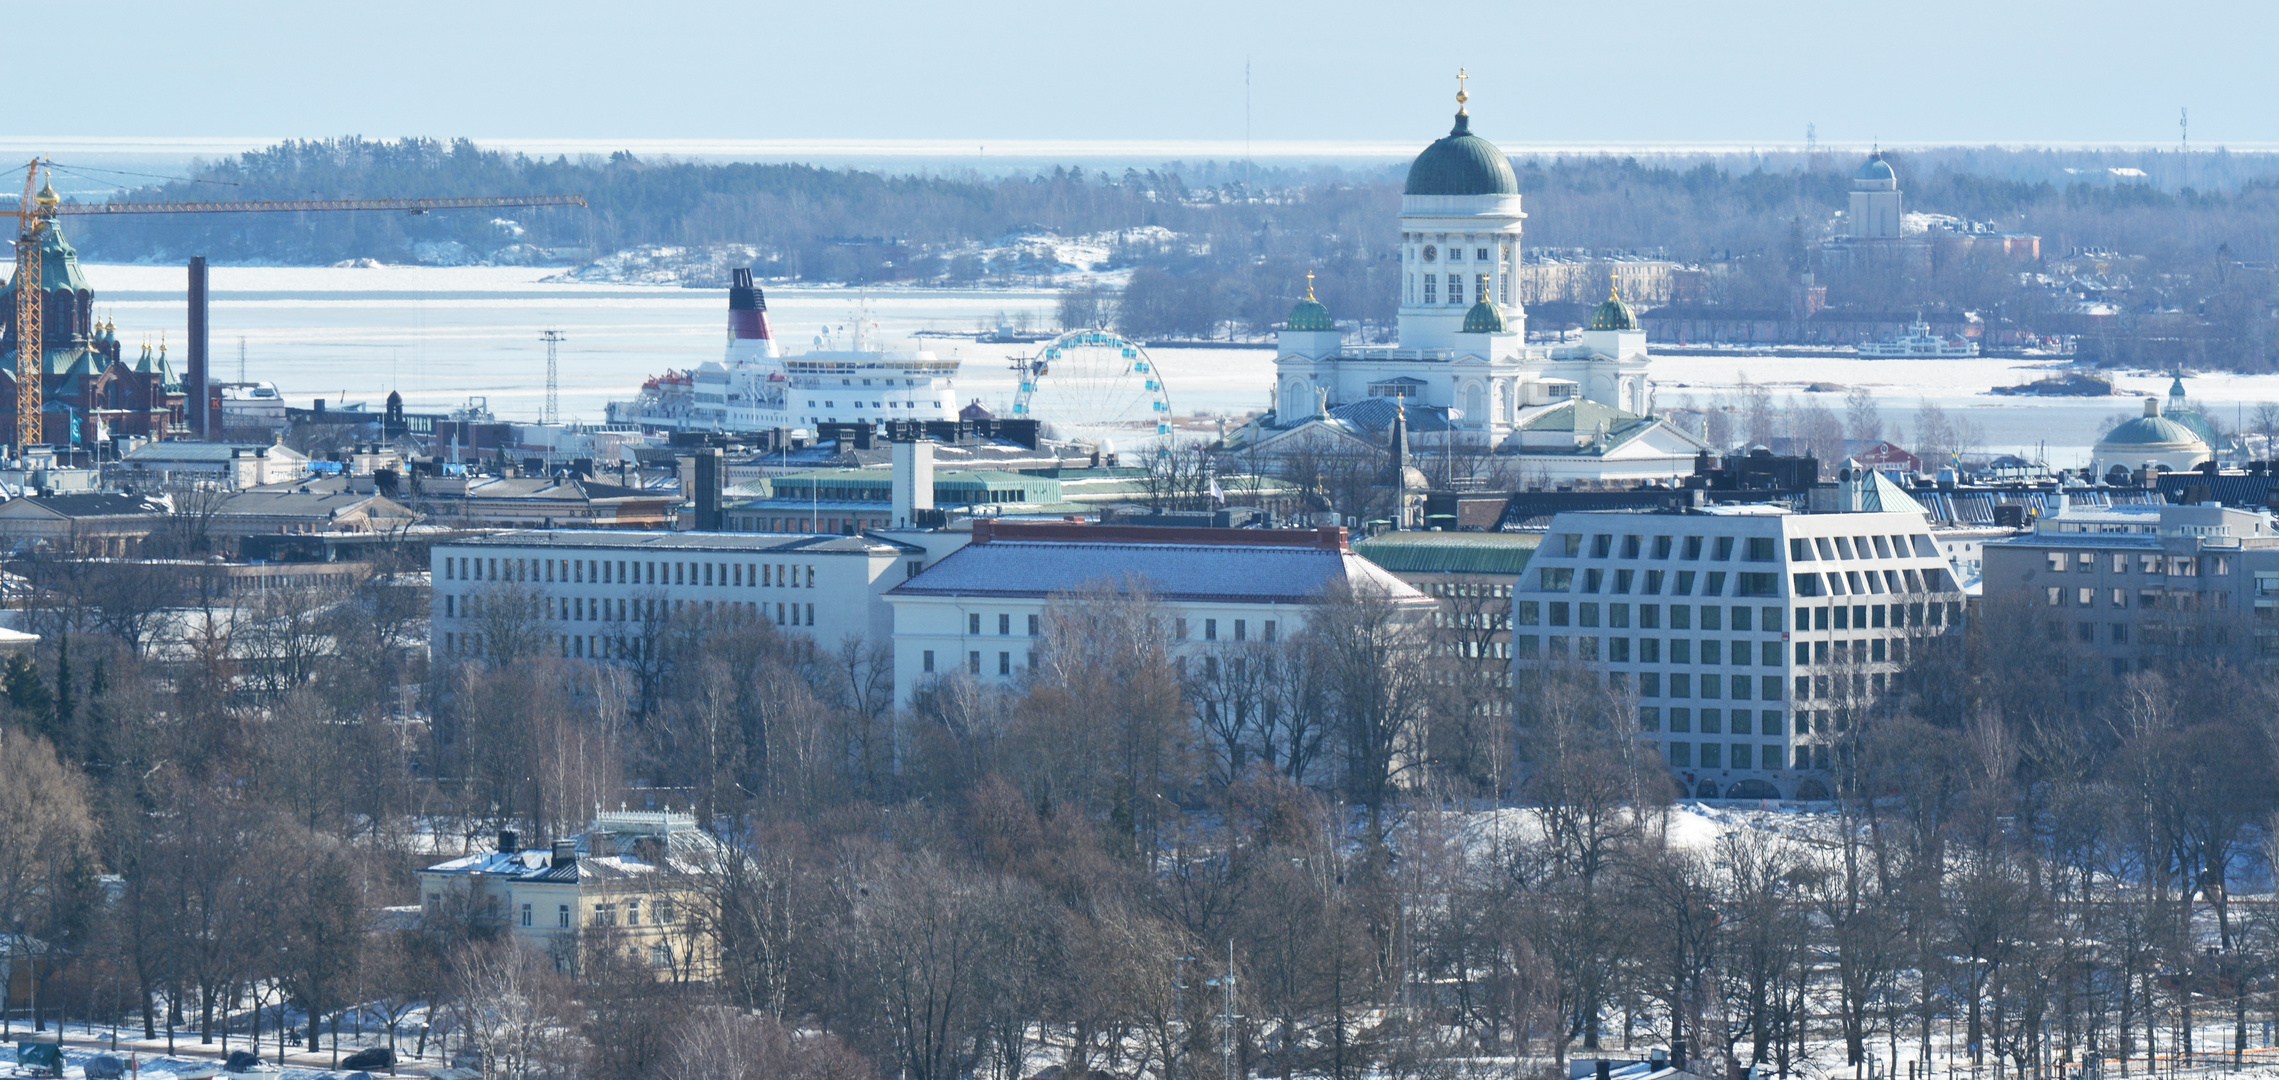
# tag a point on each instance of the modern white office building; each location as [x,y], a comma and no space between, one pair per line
[1746,634]
[599,589]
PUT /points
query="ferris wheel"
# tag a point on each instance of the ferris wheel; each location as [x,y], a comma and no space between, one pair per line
[1090,385]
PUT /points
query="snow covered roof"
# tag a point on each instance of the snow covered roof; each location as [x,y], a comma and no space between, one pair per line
[742,543]
[1224,571]
[537,865]
[673,838]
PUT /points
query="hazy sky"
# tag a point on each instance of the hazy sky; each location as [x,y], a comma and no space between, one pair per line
[1750,72]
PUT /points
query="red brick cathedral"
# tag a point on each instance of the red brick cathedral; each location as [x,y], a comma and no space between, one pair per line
[91,390]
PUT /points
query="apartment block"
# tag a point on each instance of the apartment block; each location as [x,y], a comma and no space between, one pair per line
[2137,583]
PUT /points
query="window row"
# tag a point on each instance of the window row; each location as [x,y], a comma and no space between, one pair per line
[1682,756]
[1481,284]
[631,572]
[1878,616]
[635,609]
[2150,564]
[1847,653]
[1850,548]
[1864,582]
[1595,580]
[1858,686]
[1618,615]
[1267,631]
[1711,651]
[1469,590]
[973,661]
[1689,548]
[1682,720]
[1004,624]
[2146,599]
[879,404]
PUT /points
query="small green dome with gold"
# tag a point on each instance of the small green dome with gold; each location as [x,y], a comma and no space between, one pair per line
[1614,314]
[1484,318]
[1309,315]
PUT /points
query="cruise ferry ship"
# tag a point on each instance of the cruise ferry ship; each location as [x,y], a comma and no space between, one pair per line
[1919,344]
[756,388]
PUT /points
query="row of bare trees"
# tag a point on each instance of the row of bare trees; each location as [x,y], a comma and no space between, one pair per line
[1402,856]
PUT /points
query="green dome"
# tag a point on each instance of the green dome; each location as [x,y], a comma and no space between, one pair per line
[1614,315]
[1875,169]
[1309,315]
[1461,164]
[1484,318]
[2150,431]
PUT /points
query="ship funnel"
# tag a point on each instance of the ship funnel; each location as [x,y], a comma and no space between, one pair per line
[747,309]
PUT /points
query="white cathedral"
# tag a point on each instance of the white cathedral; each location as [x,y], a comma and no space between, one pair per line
[1463,373]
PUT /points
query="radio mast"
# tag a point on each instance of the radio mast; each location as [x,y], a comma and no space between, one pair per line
[553,340]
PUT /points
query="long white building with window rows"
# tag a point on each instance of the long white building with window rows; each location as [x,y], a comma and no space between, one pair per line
[593,594]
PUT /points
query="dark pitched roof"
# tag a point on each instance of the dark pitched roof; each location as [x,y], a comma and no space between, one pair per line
[95,505]
[1374,416]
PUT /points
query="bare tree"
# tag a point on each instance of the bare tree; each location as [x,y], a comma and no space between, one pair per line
[717,1043]
[1863,421]
[1375,651]
[516,1010]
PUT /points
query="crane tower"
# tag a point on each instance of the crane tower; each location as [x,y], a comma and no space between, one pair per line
[39,207]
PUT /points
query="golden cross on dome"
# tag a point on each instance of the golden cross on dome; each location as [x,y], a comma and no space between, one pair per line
[1309,284]
[1461,96]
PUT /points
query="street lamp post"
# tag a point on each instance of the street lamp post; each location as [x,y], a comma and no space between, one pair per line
[1228,1016]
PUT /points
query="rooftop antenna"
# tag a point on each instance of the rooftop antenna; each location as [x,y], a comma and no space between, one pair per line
[1246,128]
[2184,145]
[241,358]
[553,340]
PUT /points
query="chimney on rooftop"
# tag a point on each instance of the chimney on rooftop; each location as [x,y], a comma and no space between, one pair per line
[565,854]
[913,481]
[711,481]
[510,841]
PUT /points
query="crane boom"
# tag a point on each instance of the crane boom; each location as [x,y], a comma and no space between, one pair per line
[416,206]
[40,207]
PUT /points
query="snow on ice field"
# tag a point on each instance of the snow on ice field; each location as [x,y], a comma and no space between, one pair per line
[442,334]
[2067,427]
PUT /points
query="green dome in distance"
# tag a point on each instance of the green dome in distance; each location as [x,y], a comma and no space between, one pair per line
[1461,163]
[1484,318]
[1309,316]
[2151,431]
[1614,314]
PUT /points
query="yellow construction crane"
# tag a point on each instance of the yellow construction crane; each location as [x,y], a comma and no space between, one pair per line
[39,209]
